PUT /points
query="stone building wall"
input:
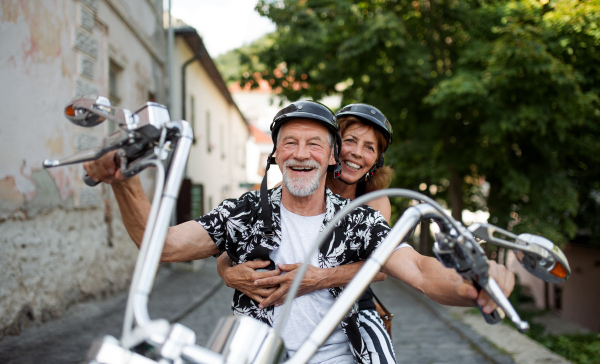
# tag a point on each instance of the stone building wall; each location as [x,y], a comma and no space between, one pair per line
[62,242]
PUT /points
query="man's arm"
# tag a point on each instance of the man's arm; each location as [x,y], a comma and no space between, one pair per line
[184,242]
[444,285]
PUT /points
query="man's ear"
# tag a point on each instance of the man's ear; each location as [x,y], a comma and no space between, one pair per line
[332,157]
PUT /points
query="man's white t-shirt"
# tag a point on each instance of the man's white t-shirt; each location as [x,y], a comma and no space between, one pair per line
[299,233]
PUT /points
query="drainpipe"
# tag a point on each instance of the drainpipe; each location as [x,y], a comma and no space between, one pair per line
[184,97]
[170,41]
[183,84]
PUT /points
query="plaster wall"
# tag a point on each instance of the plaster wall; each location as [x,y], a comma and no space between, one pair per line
[61,241]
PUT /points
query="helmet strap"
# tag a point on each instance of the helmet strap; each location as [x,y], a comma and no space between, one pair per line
[336,168]
[266,213]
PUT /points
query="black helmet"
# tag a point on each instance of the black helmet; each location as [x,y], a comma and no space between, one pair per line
[308,109]
[371,115]
[304,109]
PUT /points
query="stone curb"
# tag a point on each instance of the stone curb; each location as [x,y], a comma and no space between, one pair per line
[501,344]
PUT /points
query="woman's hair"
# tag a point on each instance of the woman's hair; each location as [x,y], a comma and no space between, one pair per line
[383,175]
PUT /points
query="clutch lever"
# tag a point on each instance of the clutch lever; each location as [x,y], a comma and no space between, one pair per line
[117,140]
[131,159]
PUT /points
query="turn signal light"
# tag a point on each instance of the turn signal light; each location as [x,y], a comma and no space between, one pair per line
[70,110]
[559,271]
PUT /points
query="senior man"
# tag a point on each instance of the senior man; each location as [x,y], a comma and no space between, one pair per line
[282,223]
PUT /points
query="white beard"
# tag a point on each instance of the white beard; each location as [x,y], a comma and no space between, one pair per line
[301,186]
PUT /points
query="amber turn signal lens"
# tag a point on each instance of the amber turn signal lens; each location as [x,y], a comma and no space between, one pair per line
[559,271]
[70,110]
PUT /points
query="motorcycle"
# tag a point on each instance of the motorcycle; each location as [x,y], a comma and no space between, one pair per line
[148,138]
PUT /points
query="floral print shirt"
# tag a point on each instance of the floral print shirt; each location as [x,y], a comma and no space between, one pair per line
[235,227]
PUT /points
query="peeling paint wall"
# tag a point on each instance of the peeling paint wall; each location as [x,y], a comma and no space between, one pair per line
[61,241]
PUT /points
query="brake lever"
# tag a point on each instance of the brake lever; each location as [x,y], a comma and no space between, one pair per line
[488,233]
[466,256]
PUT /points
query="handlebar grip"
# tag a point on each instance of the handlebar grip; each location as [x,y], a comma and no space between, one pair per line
[89,181]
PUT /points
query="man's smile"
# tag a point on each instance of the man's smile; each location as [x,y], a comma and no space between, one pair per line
[302,168]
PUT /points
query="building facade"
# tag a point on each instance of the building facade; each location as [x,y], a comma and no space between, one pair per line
[62,242]
[216,166]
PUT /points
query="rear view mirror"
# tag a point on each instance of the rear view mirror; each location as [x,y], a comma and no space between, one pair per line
[89,110]
[538,255]
[543,259]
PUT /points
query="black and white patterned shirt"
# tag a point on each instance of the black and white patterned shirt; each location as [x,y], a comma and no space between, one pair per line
[235,227]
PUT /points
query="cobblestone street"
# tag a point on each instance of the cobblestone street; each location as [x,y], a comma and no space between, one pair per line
[423,332]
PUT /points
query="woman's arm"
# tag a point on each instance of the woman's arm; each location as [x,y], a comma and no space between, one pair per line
[242,276]
[270,288]
[314,279]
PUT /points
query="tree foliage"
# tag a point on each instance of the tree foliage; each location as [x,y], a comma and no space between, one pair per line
[494,104]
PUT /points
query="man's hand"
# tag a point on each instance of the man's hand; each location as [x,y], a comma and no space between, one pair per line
[105,169]
[243,276]
[502,276]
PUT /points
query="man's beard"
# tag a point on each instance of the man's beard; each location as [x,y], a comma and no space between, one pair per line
[301,186]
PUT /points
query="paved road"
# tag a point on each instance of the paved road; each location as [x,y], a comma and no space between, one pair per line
[423,332]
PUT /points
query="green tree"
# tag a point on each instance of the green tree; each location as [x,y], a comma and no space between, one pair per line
[504,92]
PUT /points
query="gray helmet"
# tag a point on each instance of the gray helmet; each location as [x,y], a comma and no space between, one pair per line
[371,115]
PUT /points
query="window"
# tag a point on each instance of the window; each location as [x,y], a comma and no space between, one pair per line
[190,202]
[557,298]
[114,82]
[197,198]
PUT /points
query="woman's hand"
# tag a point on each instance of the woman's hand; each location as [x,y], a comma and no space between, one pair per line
[313,280]
[242,276]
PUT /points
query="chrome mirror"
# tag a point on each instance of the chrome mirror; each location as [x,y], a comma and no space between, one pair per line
[91,110]
[538,255]
[543,259]
[88,110]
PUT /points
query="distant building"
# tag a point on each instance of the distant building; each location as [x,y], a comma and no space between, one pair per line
[260,106]
[216,167]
